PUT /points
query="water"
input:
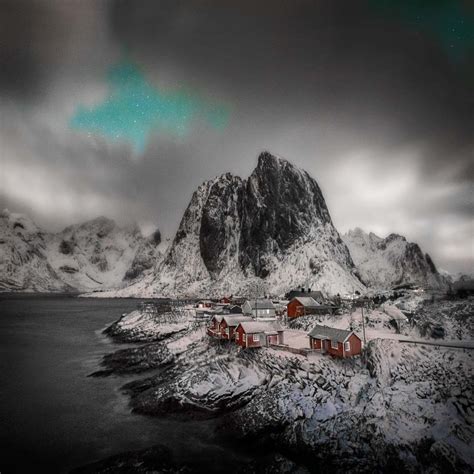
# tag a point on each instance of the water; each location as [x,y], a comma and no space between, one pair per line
[52,416]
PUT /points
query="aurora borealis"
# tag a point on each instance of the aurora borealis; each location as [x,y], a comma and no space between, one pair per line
[134,109]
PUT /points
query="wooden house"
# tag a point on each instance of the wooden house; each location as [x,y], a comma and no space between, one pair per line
[229,324]
[336,342]
[263,309]
[214,329]
[302,305]
[258,334]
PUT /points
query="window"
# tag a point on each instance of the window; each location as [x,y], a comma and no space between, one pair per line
[334,345]
[347,346]
[244,338]
[237,336]
[227,331]
[256,338]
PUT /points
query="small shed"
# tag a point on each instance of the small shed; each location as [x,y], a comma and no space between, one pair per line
[336,342]
[258,334]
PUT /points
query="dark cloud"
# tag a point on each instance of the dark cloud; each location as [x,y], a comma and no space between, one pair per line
[370,100]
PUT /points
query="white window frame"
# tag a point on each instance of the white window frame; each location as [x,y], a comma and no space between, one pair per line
[244,337]
[237,335]
[256,338]
[347,346]
[334,345]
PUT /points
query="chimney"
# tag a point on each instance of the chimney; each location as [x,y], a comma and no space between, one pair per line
[302,290]
[309,290]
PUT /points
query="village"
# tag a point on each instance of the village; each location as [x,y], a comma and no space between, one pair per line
[337,326]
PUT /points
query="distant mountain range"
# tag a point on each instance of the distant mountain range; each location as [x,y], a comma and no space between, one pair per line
[267,234]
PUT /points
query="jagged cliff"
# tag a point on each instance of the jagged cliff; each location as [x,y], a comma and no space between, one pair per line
[384,263]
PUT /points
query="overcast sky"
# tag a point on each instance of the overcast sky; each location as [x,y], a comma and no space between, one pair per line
[375,99]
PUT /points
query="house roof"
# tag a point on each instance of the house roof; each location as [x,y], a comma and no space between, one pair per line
[325,332]
[253,327]
[307,301]
[218,317]
[317,295]
[261,304]
[235,319]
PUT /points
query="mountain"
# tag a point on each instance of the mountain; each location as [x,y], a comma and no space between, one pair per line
[266,234]
[97,254]
[391,261]
[24,265]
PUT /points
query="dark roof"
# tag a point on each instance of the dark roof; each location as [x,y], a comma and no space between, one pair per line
[317,295]
[325,332]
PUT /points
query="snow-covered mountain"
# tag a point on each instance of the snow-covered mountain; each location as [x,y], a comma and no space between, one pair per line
[23,256]
[96,254]
[391,261]
[268,233]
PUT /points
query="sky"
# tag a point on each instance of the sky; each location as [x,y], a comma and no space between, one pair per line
[122,108]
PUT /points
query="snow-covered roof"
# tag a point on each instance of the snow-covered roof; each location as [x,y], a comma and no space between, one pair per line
[235,319]
[253,327]
[261,304]
[325,332]
[307,301]
[218,317]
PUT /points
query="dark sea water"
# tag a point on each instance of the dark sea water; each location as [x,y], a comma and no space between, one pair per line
[52,416]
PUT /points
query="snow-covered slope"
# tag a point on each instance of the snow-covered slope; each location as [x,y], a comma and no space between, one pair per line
[384,263]
[24,265]
[272,231]
[97,254]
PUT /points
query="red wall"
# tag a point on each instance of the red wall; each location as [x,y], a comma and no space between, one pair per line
[250,342]
[355,343]
[295,309]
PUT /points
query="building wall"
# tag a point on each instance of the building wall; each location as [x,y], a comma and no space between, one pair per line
[354,341]
[295,309]
[250,341]
[356,346]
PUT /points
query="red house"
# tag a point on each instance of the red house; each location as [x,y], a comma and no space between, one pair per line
[214,330]
[229,324]
[225,300]
[258,334]
[301,305]
[336,342]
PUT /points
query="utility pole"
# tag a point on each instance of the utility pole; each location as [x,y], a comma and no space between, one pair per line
[363,322]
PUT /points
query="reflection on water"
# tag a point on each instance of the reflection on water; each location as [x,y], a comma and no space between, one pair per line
[54,417]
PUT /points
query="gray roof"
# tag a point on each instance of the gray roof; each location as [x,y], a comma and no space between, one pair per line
[235,319]
[253,327]
[307,301]
[261,304]
[218,317]
[325,332]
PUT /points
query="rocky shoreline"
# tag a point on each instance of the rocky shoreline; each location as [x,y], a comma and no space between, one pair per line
[410,407]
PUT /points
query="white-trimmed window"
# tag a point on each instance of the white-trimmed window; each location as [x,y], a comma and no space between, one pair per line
[256,338]
[334,345]
[227,331]
[244,337]
[237,335]
[347,346]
